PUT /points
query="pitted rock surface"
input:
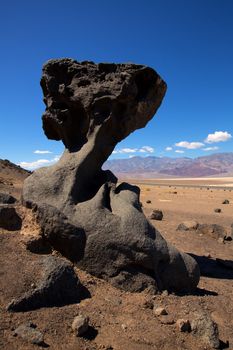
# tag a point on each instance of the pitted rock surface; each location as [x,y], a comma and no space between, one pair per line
[81,210]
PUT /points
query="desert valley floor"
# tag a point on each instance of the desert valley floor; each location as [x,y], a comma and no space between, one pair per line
[120,320]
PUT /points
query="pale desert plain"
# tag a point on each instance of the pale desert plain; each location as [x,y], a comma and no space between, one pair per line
[123,320]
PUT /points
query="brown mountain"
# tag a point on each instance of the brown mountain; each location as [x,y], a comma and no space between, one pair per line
[214,164]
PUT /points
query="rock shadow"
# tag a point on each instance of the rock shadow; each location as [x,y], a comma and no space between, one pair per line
[218,268]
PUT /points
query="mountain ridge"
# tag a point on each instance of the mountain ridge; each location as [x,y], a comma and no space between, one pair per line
[210,165]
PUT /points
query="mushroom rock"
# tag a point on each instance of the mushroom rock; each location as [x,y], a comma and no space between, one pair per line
[82,211]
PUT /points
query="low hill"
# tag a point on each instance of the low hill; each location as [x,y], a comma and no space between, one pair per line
[12,177]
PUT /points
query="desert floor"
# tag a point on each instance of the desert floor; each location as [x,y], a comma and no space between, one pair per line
[121,320]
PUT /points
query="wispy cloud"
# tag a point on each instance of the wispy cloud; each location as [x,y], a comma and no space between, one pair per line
[179,151]
[38,163]
[218,136]
[146,149]
[189,145]
[210,148]
[143,149]
[168,149]
[42,152]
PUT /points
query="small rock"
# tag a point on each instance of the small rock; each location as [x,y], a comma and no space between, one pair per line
[148,304]
[80,325]
[220,240]
[148,201]
[188,225]
[183,325]
[159,311]
[175,192]
[217,210]
[226,201]
[124,326]
[156,215]
[205,328]
[29,334]
[212,230]
[166,319]
[6,198]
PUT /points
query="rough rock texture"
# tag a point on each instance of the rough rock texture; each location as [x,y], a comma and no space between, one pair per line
[188,225]
[80,325]
[82,213]
[59,285]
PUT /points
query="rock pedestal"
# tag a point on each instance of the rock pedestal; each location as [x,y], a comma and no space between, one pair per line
[82,211]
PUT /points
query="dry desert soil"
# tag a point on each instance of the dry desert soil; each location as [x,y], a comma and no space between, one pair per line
[121,320]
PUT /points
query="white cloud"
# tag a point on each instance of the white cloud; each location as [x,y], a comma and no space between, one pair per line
[218,136]
[168,149]
[210,148]
[179,151]
[42,152]
[38,163]
[125,150]
[143,149]
[146,149]
[189,145]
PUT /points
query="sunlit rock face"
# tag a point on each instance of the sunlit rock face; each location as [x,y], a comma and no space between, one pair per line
[82,212]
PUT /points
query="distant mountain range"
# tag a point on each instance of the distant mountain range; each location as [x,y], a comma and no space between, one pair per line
[220,164]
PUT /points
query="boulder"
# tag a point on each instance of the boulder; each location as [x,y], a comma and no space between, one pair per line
[58,286]
[9,219]
[82,211]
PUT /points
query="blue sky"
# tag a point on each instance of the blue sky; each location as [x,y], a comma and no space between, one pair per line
[188,42]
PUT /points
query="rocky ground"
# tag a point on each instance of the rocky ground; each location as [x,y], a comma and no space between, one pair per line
[119,320]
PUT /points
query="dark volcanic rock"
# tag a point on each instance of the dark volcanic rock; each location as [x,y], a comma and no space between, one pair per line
[81,211]
[226,201]
[7,199]
[156,215]
[59,285]
[9,219]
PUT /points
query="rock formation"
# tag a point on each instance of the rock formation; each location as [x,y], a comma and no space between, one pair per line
[82,211]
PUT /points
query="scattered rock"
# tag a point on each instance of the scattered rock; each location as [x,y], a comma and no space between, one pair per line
[212,230]
[188,225]
[156,215]
[220,240]
[205,328]
[175,192]
[9,219]
[183,325]
[80,325]
[6,198]
[148,201]
[28,333]
[159,311]
[218,210]
[226,201]
[59,286]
